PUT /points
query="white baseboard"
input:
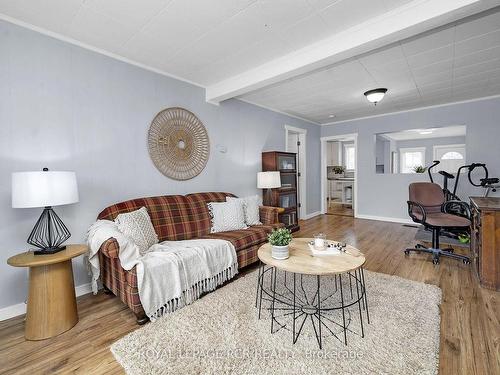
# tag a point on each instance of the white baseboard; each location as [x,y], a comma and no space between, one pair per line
[20,308]
[385,218]
[311,215]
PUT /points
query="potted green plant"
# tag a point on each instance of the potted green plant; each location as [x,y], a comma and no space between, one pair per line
[280,239]
[419,169]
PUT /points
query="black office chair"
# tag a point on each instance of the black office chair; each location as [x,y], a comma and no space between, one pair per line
[427,206]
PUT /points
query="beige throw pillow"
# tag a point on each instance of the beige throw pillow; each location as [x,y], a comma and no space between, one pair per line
[226,216]
[251,206]
[137,226]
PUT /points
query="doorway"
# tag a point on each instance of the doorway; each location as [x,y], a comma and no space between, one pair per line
[295,141]
[339,175]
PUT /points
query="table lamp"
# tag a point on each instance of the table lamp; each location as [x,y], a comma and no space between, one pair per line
[268,181]
[45,189]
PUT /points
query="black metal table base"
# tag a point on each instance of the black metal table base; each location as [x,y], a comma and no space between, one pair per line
[330,303]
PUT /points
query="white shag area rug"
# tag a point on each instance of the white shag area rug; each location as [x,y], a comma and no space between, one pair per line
[220,334]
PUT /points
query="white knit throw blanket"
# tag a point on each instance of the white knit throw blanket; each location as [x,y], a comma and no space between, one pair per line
[173,273]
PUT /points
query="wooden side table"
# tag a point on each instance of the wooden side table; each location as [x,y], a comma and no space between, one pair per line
[51,306]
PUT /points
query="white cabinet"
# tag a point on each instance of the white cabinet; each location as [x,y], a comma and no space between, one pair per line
[332,153]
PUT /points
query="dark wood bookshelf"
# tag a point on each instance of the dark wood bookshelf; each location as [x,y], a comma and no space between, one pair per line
[286,196]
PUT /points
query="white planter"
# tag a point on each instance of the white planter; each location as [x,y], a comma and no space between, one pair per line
[279,252]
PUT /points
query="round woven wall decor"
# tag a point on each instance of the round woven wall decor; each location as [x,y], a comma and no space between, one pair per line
[178,143]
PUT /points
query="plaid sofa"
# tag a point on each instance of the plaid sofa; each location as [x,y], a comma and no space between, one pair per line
[177,217]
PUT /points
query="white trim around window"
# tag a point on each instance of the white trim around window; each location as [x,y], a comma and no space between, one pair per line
[404,150]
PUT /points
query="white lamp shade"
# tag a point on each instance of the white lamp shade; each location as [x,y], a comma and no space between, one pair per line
[43,189]
[268,180]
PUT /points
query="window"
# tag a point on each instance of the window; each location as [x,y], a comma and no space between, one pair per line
[450,156]
[411,158]
[349,157]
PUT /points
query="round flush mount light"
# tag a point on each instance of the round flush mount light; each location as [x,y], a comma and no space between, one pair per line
[331,116]
[376,95]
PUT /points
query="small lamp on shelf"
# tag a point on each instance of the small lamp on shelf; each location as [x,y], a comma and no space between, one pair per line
[45,189]
[268,181]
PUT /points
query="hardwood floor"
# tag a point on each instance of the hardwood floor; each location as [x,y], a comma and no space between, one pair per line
[470,319]
[340,209]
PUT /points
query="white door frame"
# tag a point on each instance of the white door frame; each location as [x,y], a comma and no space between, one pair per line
[303,165]
[324,182]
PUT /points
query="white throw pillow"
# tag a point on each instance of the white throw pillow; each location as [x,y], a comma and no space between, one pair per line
[251,207]
[137,226]
[226,216]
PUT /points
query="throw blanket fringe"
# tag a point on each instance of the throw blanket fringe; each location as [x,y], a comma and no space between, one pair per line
[192,294]
[171,274]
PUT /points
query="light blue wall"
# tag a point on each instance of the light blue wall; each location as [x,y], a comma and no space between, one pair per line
[385,195]
[67,108]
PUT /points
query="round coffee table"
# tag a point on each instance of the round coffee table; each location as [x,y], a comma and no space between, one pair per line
[340,285]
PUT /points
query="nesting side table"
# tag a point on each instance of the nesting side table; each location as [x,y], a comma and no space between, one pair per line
[51,306]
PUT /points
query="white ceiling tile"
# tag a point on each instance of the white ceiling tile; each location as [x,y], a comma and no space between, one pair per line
[482,25]
[477,57]
[347,13]
[99,30]
[209,41]
[476,44]
[128,12]
[476,68]
[435,68]
[471,86]
[390,73]
[426,93]
[392,4]
[307,31]
[245,28]
[383,57]
[252,55]
[431,56]
[278,14]
[478,76]
[321,4]
[35,12]
[434,78]
[430,41]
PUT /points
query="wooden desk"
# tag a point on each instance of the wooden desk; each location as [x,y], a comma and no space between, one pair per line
[485,240]
[51,306]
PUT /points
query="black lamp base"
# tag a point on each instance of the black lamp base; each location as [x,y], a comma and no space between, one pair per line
[49,233]
[49,250]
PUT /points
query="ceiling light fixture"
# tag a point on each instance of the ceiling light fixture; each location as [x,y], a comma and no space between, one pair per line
[376,95]
[423,132]
[331,116]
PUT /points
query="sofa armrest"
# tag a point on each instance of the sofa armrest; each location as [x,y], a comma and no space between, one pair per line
[269,215]
[110,248]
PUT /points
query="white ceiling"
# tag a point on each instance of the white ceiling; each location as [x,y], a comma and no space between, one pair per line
[452,64]
[202,41]
[444,132]
[210,41]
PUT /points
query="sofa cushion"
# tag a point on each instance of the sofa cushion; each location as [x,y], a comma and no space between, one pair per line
[171,215]
[245,238]
[137,226]
[251,206]
[226,216]
[198,203]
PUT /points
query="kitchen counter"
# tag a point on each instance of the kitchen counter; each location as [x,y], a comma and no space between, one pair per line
[337,189]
